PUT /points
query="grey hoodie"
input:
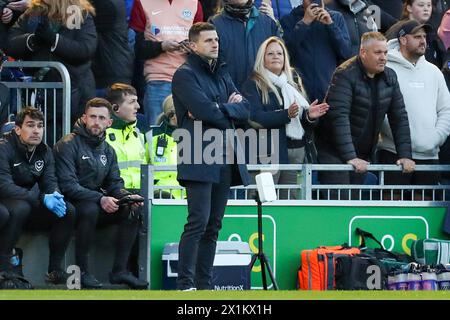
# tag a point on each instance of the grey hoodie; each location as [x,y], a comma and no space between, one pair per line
[427,101]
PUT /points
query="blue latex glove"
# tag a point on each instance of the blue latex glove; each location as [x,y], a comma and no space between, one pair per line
[55,203]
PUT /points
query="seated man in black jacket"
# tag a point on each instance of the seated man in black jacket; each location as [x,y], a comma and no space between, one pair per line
[361,93]
[24,161]
[87,169]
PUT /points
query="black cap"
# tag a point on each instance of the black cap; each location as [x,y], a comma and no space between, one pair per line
[411,27]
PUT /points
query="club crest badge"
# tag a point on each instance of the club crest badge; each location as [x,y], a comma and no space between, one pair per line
[39,165]
[103,159]
[187,14]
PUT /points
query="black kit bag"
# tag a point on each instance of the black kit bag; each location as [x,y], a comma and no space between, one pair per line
[360,272]
[391,260]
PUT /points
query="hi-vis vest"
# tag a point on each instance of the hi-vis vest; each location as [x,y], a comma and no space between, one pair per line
[169,157]
[167,21]
[129,145]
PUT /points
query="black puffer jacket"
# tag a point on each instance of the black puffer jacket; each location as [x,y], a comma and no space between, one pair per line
[113,60]
[350,100]
[356,23]
[75,47]
[18,174]
[86,166]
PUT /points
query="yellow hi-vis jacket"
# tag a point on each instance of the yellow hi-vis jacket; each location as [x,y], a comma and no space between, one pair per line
[129,144]
[169,157]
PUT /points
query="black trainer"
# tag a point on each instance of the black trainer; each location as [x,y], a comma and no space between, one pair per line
[127,278]
[88,281]
[57,277]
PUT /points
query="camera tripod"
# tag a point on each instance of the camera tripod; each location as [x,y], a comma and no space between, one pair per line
[264,262]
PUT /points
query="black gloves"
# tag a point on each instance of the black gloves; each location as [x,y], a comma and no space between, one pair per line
[44,34]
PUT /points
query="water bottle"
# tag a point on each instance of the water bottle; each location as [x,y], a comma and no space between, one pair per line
[391,281]
[401,281]
[443,279]
[429,280]
[413,279]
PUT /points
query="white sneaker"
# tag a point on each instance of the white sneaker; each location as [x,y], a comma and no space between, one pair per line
[190,289]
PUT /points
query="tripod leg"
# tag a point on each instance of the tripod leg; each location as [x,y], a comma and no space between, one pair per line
[269,269]
[252,262]
[263,271]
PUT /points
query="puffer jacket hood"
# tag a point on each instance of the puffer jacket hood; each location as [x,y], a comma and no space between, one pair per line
[80,129]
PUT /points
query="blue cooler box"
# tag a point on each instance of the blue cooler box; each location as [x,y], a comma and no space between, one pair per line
[231,269]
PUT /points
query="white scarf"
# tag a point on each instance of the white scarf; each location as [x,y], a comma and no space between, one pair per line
[294,129]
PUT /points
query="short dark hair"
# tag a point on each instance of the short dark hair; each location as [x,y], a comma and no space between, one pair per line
[98,103]
[116,92]
[31,112]
[198,27]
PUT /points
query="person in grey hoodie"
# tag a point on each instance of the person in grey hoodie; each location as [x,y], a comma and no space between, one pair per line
[427,101]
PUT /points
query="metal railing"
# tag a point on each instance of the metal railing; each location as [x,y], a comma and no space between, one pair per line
[309,188]
[47,96]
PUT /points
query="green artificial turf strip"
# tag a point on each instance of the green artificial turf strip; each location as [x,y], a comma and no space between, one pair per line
[220,295]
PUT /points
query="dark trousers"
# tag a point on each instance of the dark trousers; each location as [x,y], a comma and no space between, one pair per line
[414,178]
[197,248]
[89,216]
[325,156]
[15,215]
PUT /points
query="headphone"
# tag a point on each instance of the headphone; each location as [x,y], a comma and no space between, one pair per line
[115,107]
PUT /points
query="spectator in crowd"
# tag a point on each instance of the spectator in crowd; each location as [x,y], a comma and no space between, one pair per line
[440,7]
[317,40]
[50,31]
[210,8]
[113,61]
[420,10]
[204,96]
[444,30]
[131,34]
[89,176]
[161,28]
[4,93]
[24,161]
[242,29]
[390,12]
[356,19]
[163,150]
[278,102]
[10,13]
[280,7]
[361,93]
[427,103]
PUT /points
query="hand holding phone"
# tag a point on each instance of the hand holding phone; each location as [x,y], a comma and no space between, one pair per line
[311,11]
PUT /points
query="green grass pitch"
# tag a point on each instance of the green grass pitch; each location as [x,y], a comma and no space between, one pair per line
[220,295]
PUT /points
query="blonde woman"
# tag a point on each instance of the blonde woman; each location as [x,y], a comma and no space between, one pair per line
[278,102]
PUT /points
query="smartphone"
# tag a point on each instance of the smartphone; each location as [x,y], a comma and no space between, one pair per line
[269,2]
[318,2]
